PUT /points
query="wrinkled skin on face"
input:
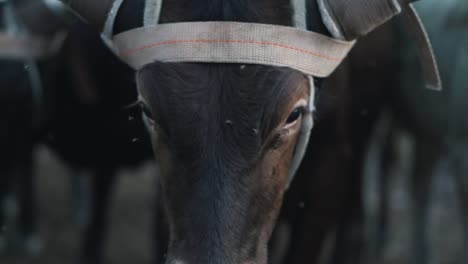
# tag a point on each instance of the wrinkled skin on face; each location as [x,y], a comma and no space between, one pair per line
[224,136]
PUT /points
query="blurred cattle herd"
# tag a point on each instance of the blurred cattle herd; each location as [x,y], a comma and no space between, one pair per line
[77,171]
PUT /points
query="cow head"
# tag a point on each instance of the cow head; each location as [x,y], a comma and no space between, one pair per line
[224,134]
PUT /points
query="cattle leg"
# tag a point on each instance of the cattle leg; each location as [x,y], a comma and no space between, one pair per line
[461,174]
[350,232]
[349,241]
[80,201]
[95,230]
[424,161]
[161,237]
[27,206]
[382,216]
[5,180]
[388,162]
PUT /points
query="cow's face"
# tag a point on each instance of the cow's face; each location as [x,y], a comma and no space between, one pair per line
[224,136]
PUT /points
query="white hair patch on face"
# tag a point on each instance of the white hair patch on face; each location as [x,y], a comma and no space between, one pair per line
[302,102]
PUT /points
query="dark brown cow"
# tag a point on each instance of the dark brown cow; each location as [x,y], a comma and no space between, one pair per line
[225,134]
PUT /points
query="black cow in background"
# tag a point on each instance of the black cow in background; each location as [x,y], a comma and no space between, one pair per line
[23,110]
[437,122]
[85,113]
[95,125]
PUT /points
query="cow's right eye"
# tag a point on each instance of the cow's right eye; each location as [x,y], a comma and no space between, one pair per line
[146,110]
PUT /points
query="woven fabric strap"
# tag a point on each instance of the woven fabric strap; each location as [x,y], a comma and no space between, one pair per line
[232,42]
[304,134]
[351,19]
[427,58]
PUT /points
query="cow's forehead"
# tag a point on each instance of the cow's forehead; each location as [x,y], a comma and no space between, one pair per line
[184,96]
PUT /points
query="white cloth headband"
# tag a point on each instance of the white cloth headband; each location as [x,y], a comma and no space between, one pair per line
[226,42]
[232,42]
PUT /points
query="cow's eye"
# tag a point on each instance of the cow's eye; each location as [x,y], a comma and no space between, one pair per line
[295,115]
[146,110]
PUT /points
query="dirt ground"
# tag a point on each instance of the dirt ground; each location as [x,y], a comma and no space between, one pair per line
[130,221]
[129,239]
